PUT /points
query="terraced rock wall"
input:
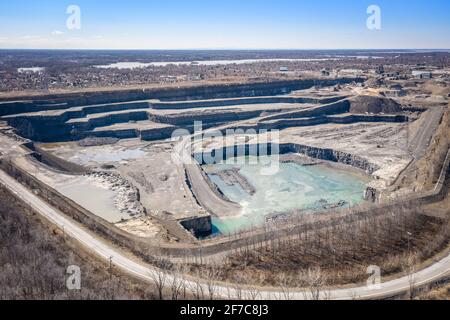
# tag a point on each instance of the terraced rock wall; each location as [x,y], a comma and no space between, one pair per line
[64,101]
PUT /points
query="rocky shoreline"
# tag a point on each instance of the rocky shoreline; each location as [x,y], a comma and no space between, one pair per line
[321,205]
[299,159]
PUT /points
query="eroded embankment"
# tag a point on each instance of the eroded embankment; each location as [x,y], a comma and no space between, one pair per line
[426,173]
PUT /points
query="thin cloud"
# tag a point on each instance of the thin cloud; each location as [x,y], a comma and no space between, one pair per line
[28,37]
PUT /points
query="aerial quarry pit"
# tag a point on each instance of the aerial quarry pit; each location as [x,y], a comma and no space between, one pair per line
[111,161]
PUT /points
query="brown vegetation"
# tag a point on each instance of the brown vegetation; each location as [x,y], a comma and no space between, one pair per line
[439,292]
[342,252]
[34,260]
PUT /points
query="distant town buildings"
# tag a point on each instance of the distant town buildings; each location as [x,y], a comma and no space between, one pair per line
[325,72]
[421,74]
[40,73]
[379,69]
[395,90]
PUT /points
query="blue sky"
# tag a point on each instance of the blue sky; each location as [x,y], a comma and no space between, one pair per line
[224,24]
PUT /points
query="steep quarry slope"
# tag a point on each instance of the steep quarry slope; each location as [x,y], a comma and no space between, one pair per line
[373,104]
[79,122]
[428,168]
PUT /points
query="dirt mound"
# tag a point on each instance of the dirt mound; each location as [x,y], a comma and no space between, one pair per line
[374,104]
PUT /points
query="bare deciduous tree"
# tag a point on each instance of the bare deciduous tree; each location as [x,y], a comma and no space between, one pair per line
[285,283]
[254,293]
[177,283]
[211,276]
[197,288]
[409,268]
[315,280]
[160,280]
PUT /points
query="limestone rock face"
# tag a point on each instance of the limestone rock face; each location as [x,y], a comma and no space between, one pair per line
[335,156]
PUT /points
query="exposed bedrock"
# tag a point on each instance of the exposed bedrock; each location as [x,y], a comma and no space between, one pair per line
[47,129]
[331,155]
[89,117]
[361,105]
[51,132]
[64,101]
[127,198]
[240,101]
[342,106]
[213,117]
[144,134]
[64,115]
[90,123]
[280,124]
[285,148]
[348,119]
[40,130]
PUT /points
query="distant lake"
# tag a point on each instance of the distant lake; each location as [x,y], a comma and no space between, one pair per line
[136,65]
[32,70]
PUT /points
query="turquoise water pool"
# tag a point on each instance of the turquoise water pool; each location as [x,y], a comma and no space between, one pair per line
[293,187]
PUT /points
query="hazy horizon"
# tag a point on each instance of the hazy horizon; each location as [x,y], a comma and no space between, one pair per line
[335,50]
